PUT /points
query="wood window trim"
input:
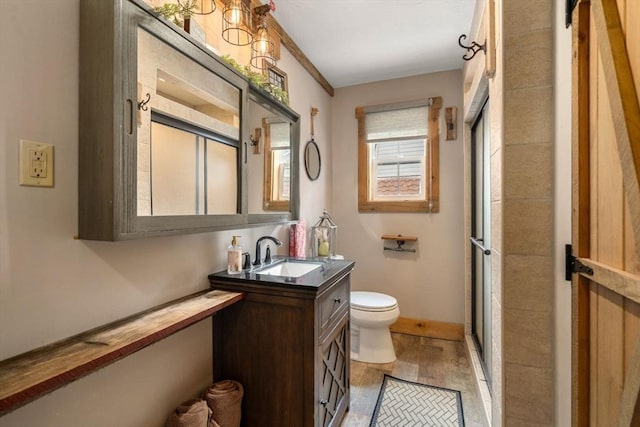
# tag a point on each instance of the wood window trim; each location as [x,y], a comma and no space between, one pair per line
[366,205]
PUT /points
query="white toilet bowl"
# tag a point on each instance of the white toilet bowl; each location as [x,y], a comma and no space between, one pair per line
[371,315]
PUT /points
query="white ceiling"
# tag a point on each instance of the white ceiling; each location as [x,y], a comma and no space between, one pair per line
[359,41]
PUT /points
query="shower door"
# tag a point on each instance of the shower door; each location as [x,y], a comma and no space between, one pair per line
[480,239]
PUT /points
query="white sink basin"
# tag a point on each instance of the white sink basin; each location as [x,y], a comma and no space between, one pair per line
[289,269]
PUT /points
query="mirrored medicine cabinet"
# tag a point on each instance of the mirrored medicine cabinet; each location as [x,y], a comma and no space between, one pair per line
[165,126]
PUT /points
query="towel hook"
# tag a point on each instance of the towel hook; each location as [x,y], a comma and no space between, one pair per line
[474,47]
[142,105]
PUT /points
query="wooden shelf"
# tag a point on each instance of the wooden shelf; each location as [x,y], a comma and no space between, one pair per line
[399,237]
[30,375]
[400,241]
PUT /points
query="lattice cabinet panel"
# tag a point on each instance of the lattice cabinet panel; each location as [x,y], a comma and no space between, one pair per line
[333,388]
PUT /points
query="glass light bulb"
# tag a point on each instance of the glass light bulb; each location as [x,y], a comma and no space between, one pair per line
[262,42]
[235,15]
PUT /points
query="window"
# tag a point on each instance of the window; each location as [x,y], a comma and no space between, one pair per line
[398,161]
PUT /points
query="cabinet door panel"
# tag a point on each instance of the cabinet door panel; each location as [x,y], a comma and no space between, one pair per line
[334,387]
[262,344]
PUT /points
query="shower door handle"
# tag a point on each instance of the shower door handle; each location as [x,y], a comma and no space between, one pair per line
[479,243]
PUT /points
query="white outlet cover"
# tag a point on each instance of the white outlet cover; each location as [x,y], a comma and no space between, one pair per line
[30,159]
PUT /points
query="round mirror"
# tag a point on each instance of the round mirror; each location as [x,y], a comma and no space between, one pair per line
[312,160]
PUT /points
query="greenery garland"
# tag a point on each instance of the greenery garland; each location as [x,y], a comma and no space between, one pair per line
[186,8]
[258,79]
[172,11]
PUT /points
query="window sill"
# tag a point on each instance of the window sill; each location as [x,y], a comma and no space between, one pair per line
[398,207]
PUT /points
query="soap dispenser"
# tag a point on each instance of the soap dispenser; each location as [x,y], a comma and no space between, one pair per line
[234,257]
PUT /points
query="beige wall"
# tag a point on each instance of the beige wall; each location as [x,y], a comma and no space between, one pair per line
[428,284]
[305,93]
[52,286]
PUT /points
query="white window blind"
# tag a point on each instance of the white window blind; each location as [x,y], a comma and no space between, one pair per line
[396,124]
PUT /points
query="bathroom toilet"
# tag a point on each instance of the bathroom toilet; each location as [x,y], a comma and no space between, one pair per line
[371,315]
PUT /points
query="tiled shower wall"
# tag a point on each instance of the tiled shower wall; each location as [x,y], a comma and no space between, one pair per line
[527,213]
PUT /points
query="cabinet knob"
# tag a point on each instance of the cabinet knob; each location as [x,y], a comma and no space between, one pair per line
[337,299]
[324,402]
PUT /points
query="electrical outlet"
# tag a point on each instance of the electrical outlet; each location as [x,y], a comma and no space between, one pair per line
[36,164]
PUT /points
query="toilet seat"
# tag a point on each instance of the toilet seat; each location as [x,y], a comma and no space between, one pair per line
[372,301]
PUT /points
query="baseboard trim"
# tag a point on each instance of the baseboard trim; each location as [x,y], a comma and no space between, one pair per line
[429,328]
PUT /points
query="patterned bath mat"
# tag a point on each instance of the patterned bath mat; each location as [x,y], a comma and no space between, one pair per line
[405,403]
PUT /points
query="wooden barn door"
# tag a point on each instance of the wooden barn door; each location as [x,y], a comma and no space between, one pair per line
[606,213]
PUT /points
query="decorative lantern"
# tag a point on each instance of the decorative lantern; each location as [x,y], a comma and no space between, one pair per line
[324,237]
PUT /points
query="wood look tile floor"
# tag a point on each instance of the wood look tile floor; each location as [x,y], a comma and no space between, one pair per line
[420,359]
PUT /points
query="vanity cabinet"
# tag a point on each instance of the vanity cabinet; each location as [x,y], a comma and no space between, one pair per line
[289,347]
[163,130]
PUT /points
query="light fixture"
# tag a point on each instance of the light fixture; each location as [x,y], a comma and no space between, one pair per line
[205,7]
[262,46]
[236,23]
[188,8]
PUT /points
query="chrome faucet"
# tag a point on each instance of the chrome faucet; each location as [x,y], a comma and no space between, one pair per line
[267,259]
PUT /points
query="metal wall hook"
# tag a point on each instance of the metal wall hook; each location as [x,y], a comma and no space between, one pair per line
[142,105]
[474,48]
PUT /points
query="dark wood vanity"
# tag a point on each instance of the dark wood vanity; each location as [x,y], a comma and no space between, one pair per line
[288,343]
